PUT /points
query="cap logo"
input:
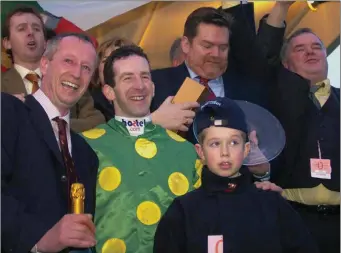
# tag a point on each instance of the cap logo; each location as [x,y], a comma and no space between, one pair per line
[218,122]
[210,103]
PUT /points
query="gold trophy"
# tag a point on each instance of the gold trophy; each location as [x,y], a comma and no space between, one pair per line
[77,197]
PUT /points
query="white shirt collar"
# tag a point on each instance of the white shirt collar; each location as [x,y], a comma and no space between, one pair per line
[24,71]
[193,75]
[50,108]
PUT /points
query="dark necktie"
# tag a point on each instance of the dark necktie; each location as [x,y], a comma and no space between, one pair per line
[204,81]
[313,90]
[68,162]
[33,78]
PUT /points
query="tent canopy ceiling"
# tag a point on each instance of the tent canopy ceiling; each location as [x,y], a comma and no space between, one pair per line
[147,26]
[154,25]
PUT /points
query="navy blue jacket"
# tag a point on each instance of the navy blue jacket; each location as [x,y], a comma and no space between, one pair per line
[33,189]
[237,86]
[249,219]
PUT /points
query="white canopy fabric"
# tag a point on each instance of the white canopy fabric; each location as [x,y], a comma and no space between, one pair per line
[144,23]
[89,14]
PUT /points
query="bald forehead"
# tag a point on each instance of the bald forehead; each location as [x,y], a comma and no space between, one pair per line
[73,45]
[74,39]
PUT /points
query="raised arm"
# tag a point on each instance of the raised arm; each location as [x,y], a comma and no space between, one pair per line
[271,32]
[252,53]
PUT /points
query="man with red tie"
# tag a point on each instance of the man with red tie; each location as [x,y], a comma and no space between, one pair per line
[206,43]
[42,157]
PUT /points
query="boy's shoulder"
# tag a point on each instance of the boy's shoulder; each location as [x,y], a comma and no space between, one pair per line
[190,197]
[269,196]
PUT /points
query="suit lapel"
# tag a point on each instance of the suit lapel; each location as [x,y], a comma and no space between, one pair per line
[229,81]
[181,74]
[77,159]
[12,82]
[83,170]
[41,122]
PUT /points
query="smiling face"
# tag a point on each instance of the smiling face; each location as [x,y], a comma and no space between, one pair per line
[67,75]
[26,38]
[223,150]
[207,53]
[134,89]
[307,57]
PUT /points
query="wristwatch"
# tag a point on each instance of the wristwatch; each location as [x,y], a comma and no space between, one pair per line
[265,177]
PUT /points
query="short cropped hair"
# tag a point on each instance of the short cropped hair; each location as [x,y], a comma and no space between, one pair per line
[297,33]
[120,53]
[53,43]
[206,15]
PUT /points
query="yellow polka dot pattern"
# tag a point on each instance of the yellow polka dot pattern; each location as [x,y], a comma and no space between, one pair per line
[114,245]
[175,136]
[178,183]
[94,133]
[145,148]
[198,168]
[109,178]
[148,213]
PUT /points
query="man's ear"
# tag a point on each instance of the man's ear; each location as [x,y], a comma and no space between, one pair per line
[153,89]
[109,92]
[6,43]
[44,64]
[200,152]
[185,44]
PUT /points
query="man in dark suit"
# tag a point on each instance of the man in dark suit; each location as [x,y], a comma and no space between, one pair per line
[24,37]
[42,157]
[309,109]
[206,43]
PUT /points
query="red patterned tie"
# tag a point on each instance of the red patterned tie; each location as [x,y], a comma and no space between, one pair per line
[33,78]
[68,162]
[204,82]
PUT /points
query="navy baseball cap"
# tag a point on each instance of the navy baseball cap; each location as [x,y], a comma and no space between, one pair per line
[221,112]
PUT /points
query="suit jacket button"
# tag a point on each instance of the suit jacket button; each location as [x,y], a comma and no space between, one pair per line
[64,178]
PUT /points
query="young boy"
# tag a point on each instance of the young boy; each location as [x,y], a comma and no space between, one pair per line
[228,213]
